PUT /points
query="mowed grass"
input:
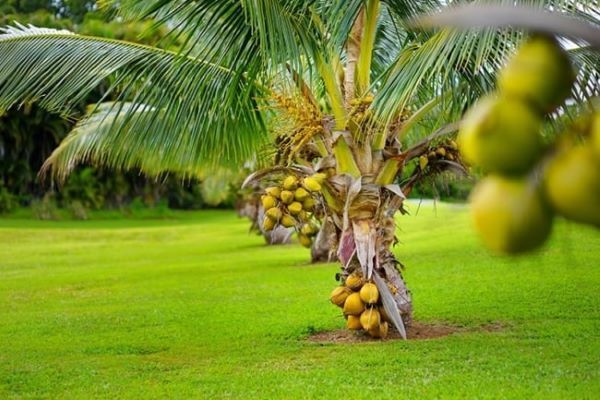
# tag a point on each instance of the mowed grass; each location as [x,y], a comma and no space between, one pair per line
[195,307]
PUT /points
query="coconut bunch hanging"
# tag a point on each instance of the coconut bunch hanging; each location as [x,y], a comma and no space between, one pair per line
[362,306]
[292,203]
[440,157]
[528,182]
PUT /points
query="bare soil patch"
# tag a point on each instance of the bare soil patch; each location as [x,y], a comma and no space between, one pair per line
[417,331]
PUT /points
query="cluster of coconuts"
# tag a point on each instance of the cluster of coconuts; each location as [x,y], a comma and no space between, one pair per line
[513,206]
[362,306]
[445,151]
[291,205]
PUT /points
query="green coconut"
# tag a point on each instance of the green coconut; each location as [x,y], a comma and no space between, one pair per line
[510,215]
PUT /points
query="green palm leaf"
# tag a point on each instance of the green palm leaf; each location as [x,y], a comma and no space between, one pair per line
[434,63]
[179,107]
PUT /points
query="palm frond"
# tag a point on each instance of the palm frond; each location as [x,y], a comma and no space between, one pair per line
[437,62]
[196,106]
[507,15]
[587,63]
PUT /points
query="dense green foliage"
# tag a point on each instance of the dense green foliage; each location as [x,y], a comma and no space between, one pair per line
[69,9]
[28,134]
[194,307]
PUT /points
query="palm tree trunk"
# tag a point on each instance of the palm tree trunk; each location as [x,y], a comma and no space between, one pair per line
[390,267]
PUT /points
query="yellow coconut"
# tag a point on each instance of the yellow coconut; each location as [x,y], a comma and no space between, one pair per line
[320,177]
[309,229]
[268,201]
[540,72]
[354,281]
[353,305]
[369,293]
[287,197]
[510,215]
[290,183]
[330,172]
[304,240]
[441,152]
[572,183]
[423,161]
[268,224]
[274,214]
[273,191]
[309,204]
[311,184]
[381,331]
[287,221]
[303,216]
[353,323]
[301,194]
[369,319]
[501,136]
[295,208]
[339,295]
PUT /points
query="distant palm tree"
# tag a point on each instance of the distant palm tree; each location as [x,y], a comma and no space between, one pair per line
[342,86]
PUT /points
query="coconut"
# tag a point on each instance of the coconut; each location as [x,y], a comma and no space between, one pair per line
[290,183]
[304,240]
[369,319]
[540,72]
[273,191]
[381,331]
[320,177]
[339,295]
[288,221]
[303,216]
[353,305]
[330,171]
[354,281]
[268,201]
[423,161]
[309,204]
[268,224]
[274,214]
[441,152]
[295,208]
[369,293]
[501,136]
[353,323]
[287,196]
[311,184]
[301,194]
[572,183]
[309,229]
[510,214]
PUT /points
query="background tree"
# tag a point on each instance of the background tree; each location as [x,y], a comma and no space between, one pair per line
[29,134]
[337,86]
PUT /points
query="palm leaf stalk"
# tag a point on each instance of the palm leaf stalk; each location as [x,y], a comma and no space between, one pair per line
[326,92]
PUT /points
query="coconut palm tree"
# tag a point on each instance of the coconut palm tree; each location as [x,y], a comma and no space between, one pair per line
[343,87]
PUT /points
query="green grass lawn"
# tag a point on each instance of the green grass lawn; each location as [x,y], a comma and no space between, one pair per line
[195,307]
